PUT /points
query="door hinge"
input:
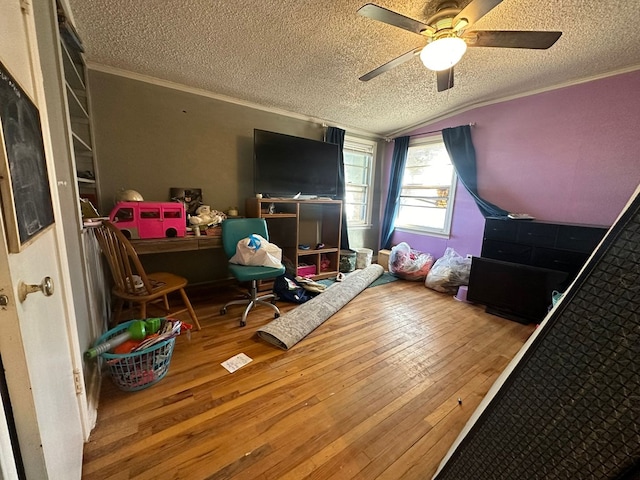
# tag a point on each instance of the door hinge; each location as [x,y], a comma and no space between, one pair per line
[77,380]
[25,5]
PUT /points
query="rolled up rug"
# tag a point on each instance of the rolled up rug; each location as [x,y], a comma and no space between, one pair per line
[293,326]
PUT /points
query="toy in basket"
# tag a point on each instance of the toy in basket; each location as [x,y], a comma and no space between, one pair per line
[147,360]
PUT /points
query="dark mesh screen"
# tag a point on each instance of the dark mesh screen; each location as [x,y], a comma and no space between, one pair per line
[571,407]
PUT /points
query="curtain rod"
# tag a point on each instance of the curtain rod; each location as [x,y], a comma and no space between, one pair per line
[471,124]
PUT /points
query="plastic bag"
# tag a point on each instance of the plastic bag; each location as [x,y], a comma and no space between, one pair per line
[449,272]
[256,250]
[409,264]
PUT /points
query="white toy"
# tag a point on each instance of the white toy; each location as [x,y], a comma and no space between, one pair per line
[206,217]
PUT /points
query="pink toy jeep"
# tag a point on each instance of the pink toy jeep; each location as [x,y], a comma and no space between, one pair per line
[150,219]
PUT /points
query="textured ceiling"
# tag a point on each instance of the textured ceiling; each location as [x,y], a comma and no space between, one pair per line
[305,56]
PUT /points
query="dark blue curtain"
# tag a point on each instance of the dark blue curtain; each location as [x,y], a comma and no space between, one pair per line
[463,156]
[336,135]
[399,160]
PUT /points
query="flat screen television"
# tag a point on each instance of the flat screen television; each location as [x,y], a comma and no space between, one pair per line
[285,165]
[517,292]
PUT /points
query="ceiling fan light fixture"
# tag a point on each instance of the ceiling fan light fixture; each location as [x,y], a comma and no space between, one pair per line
[443,53]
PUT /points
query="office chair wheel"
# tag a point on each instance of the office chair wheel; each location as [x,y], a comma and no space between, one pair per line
[223,311]
[276,315]
[243,324]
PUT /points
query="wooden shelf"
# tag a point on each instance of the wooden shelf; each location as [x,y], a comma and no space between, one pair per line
[78,105]
[279,215]
[303,253]
[72,74]
[79,143]
[303,222]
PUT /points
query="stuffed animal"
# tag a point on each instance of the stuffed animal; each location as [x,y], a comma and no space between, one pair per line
[205,216]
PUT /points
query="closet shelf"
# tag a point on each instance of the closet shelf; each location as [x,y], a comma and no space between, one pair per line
[79,110]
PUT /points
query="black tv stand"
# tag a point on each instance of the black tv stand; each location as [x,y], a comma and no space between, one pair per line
[522,263]
[509,316]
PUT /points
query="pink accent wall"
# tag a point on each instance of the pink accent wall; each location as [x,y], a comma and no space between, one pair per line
[570,155]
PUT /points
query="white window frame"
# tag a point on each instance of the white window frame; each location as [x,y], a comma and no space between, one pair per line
[361,145]
[444,232]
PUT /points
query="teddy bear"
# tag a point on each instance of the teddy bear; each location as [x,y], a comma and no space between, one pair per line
[205,216]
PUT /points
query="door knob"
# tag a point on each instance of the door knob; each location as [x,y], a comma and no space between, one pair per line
[46,287]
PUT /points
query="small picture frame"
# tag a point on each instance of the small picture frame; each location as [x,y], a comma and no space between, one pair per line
[191,197]
[24,178]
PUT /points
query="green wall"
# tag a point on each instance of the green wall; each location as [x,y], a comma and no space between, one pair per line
[150,138]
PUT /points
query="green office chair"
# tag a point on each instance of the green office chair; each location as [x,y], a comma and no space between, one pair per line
[234,230]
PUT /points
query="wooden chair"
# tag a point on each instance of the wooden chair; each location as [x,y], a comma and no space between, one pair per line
[234,230]
[132,283]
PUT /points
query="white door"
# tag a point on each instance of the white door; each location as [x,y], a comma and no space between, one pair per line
[35,343]
[7,461]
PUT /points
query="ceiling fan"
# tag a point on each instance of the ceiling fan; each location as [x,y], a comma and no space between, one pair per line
[448,36]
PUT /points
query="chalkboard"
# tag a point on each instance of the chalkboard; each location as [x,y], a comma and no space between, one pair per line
[26,198]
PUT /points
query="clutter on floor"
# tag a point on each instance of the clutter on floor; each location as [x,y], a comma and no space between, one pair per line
[293,326]
[138,352]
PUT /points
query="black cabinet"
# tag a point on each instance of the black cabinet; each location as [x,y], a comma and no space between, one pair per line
[523,261]
[507,251]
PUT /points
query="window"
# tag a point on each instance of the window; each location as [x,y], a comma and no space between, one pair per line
[359,157]
[428,188]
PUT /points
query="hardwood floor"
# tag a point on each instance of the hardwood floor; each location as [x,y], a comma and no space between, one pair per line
[370,394]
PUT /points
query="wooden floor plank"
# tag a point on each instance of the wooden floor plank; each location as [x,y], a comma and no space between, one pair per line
[372,393]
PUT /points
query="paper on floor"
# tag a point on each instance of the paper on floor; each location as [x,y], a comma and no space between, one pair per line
[236,362]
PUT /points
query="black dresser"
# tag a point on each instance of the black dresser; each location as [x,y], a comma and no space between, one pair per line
[524,261]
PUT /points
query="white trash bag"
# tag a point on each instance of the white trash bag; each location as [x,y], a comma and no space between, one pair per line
[257,251]
[449,272]
[409,264]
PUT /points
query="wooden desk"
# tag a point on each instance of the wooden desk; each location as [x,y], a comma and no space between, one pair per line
[182,244]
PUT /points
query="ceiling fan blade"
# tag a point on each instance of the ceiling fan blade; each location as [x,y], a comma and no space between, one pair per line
[392,18]
[473,12]
[445,79]
[511,39]
[391,64]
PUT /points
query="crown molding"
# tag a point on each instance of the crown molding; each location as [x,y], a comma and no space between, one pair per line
[323,123]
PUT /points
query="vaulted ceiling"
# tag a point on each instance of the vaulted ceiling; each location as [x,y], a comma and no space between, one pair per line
[306,56]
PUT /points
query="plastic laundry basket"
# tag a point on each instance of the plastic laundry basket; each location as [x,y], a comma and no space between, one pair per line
[363,257]
[137,370]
